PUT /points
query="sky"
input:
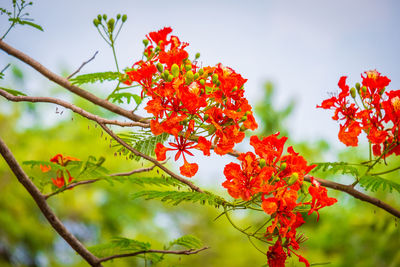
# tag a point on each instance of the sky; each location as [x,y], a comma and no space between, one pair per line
[303,47]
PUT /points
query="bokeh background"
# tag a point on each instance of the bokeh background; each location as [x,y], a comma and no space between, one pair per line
[292,54]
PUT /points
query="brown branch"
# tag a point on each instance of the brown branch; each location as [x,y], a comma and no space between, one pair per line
[44,207]
[70,106]
[154,161]
[176,252]
[349,189]
[83,64]
[74,184]
[67,85]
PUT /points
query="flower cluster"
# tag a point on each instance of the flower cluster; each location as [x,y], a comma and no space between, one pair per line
[61,160]
[377,113]
[276,181]
[205,104]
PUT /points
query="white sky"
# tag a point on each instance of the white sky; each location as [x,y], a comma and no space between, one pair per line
[302,46]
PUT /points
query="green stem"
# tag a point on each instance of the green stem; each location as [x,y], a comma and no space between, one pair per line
[385,172]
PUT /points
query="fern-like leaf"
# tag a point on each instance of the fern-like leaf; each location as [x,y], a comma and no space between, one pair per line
[177,197]
[120,98]
[187,241]
[336,167]
[148,181]
[374,183]
[119,246]
[95,77]
[11,91]
[142,141]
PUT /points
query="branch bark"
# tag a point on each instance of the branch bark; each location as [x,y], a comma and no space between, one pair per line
[176,252]
[67,85]
[45,208]
[70,106]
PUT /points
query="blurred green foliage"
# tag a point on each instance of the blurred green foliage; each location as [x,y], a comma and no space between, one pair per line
[350,233]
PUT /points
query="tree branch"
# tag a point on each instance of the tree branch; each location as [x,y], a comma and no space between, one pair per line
[44,207]
[67,85]
[70,106]
[83,64]
[357,194]
[176,252]
[154,161]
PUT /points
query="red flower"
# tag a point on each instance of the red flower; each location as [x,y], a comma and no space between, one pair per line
[189,169]
[348,135]
[276,255]
[320,198]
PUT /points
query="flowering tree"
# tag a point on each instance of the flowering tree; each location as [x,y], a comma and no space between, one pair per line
[195,107]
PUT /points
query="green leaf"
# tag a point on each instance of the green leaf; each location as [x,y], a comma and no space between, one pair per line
[336,167]
[144,142]
[118,98]
[95,77]
[374,183]
[177,197]
[148,181]
[187,241]
[30,23]
[13,92]
[119,246]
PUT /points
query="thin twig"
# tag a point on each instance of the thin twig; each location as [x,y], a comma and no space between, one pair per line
[135,171]
[70,87]
[70,186]
[83,64]
[40,200]
[153,160]
[357,194]
[176,252]
[70,106]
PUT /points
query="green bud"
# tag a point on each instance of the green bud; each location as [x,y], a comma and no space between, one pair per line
[293,178]
[104,16]
[170,77]
[353,92]
[214,78]
[124,17]
[382,91]
[364,89]
[206,116]
[197,55]
[166,72]
[244,118]
[118,16]
[283,166]
[243,128]
[175,70]
[211,129]
[96,22]
[201,72]
[234,89]
[189,77]
[358,86]
[262,163]
[160,67]
[110,24]
[188,67]
[218,83]
[202,82]
[145,42]
[247,112]
[99,17]
[196,76]
[157,49]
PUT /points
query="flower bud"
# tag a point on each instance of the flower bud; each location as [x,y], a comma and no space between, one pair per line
[175,70]
[145,42]
[243,128]
[197,55]
[382,91]
[189,77]
[358,86]
[364,89]
[118,16]
[170,77]
[211,129]
[124,17]
[293,178]
[244,118]
[160,67]
[304,189]
[110,24]
[283,166]
[353,92]
[202,81]
[262,163]
[104,16]
[196,76]
[96,22]
[201,72]
[99,17]
[218,83]
[188,67]
[206,116]
[214,78]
